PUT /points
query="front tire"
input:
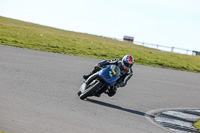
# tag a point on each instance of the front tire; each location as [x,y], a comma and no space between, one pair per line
[91,90]
[79,93]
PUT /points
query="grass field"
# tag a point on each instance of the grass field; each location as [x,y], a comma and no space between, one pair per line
[197,125]
[32,36]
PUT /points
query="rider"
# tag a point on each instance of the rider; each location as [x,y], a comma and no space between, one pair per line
[126,72]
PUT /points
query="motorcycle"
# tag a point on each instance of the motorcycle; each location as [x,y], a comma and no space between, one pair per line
[99,82]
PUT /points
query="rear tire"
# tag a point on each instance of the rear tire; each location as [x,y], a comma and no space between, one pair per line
[91,90]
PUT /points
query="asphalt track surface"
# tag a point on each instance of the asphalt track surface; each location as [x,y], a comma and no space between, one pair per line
[38,94]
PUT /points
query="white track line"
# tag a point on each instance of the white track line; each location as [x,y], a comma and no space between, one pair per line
[174,113]
[182,115]
[172,121]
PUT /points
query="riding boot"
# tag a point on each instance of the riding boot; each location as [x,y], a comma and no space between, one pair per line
[112,91]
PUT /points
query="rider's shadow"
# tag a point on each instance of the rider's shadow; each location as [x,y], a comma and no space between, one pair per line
[119,108]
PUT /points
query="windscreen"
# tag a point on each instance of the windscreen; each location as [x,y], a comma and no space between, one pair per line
[114,71]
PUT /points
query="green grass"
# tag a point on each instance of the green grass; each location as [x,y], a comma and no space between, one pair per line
[32,36]
[197,125]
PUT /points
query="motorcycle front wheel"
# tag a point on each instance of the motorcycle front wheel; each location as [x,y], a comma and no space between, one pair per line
[91,90]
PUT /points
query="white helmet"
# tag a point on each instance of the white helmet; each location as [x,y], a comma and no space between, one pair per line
[127,62]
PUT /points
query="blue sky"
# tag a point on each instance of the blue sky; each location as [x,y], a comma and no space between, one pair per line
[165,22]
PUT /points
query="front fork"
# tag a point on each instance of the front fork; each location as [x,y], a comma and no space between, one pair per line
[102,90]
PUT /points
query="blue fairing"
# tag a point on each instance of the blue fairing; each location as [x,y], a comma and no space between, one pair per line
[104,74]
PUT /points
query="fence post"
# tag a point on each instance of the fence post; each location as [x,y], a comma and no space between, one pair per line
[172,49]
[157,46]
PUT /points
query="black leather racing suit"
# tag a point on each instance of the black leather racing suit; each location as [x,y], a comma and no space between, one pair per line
[121,82]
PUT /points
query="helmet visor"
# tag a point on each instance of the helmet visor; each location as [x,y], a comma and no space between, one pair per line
[128,64]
